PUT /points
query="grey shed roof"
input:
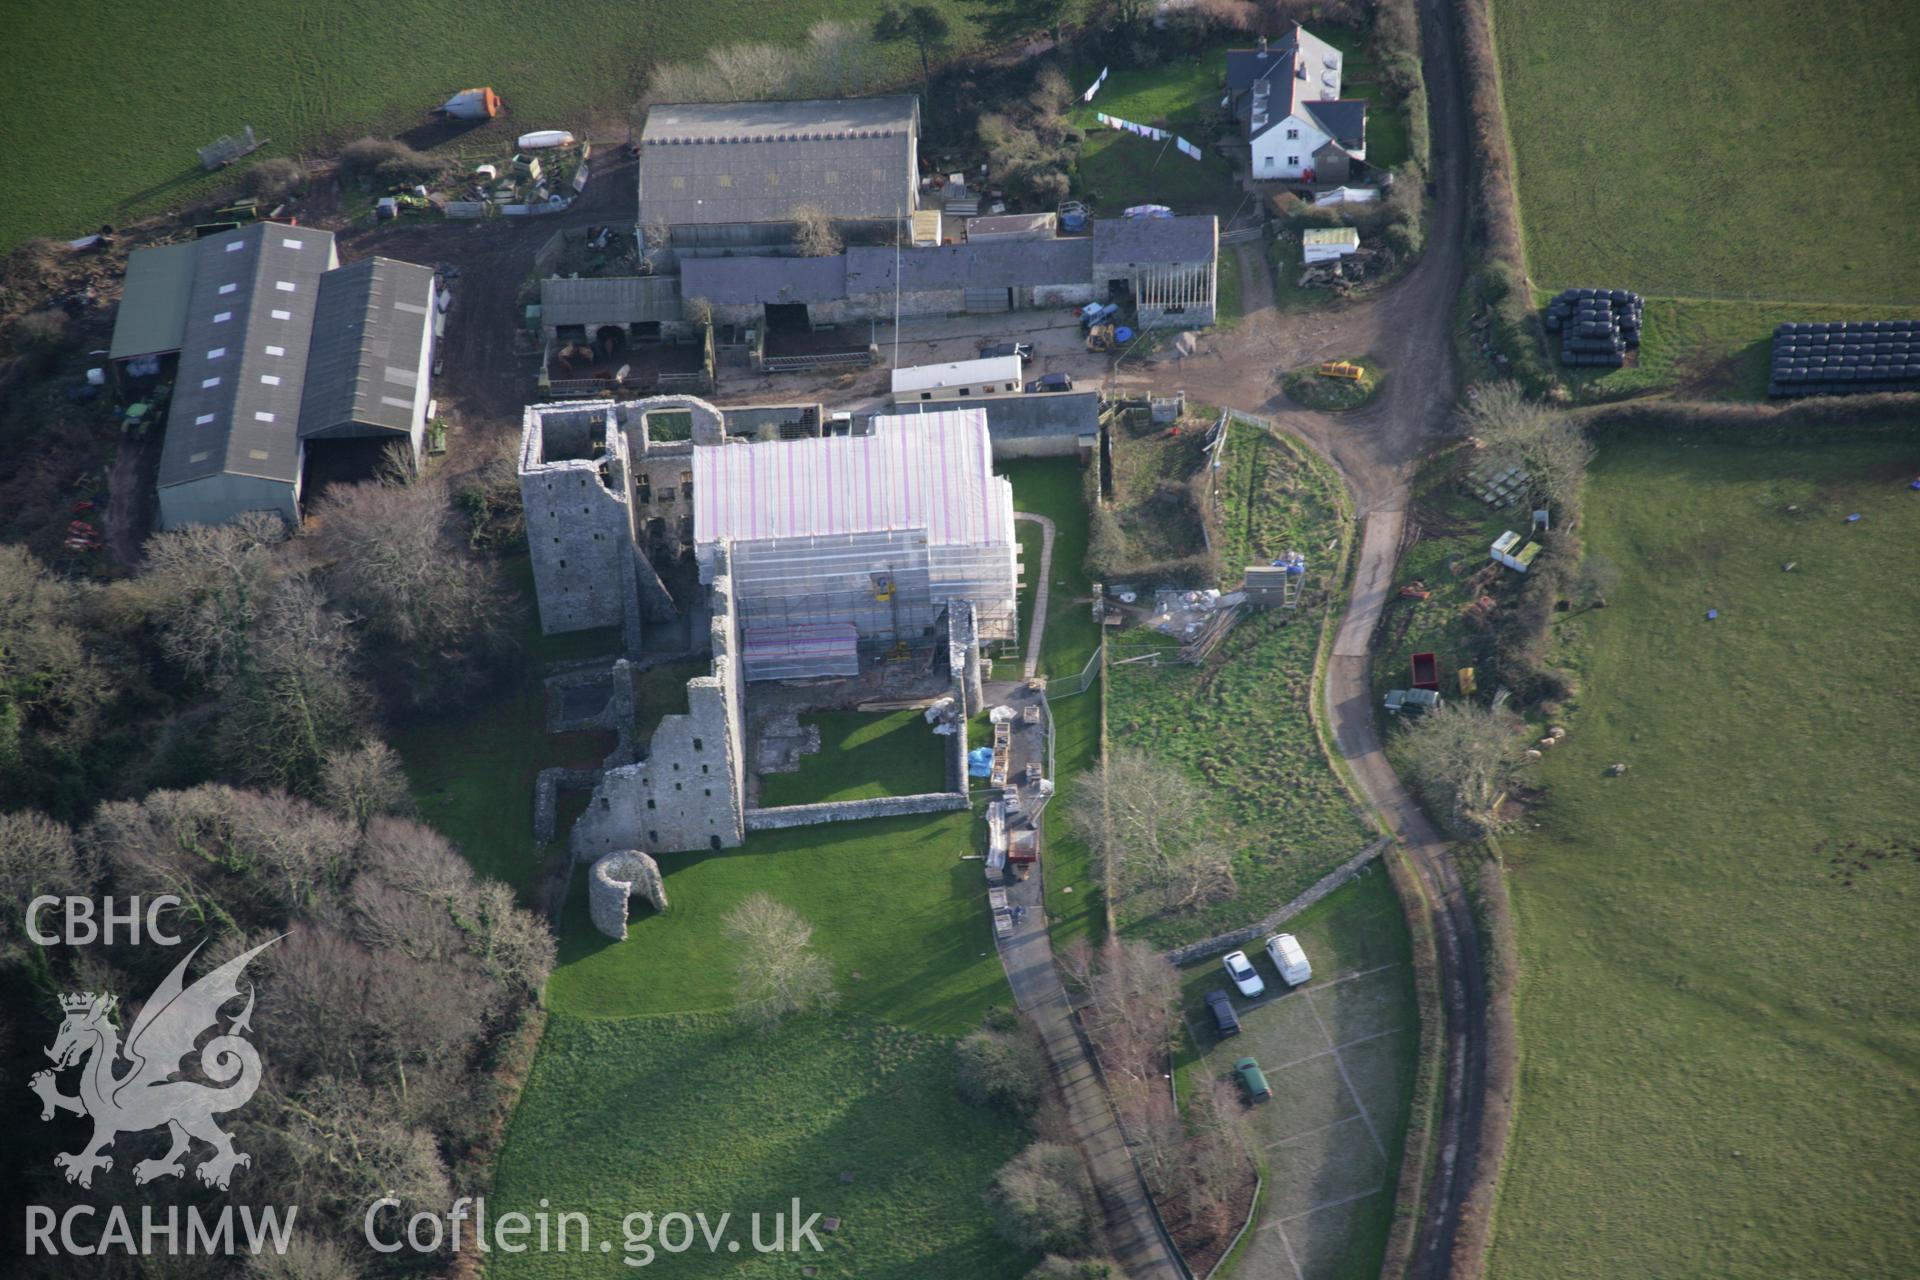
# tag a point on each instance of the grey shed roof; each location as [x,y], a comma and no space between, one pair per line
[703,163]
[1345,119]
[1144,241]
[755,280]
[1044,415]
[609,300]
[243,354]
[369,330]
[986,264]
[153,304]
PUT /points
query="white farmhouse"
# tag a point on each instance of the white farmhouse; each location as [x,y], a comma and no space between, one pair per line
[1286,95]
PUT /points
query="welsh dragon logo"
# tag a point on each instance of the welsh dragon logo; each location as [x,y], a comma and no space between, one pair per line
[141,1093]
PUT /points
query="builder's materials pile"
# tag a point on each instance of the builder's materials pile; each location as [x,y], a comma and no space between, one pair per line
[1836,359]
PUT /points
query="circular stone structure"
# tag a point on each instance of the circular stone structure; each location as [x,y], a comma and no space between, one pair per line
[614,879]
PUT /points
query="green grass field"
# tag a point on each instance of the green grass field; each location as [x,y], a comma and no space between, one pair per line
[106,102]
[1241,722]
[862,756]
[1649,154]
[1315,1147]
[1671,178]
[1718,1024]
[697,1113]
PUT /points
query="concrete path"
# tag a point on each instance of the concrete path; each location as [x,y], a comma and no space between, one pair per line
[1142,1252]
[1039,627]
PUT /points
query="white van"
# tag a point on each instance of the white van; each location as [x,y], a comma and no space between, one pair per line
[1284,950]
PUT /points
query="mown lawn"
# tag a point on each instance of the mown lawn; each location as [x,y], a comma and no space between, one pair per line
[1241,722]
[1719,1029]
[105,102]
[862,756]
[1056,488]
[1650,147]
[698,1113]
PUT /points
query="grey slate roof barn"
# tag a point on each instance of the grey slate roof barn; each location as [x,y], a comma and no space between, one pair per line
[369,356]
[728,175]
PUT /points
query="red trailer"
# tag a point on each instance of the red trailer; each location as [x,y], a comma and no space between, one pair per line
[1426,671]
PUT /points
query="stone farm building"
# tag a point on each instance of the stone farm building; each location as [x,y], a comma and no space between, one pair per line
[726,177]
[278,354]
[1166,266]
[811,555]
[1286,96]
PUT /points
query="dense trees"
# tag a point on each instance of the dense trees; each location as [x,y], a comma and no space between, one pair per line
[1001,1065]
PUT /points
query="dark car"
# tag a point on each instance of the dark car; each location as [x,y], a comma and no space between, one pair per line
[1051,382]
[1225,1020]
[1022,349]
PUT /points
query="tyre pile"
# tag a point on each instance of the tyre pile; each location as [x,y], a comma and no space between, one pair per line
[1851,359]
[1597,327]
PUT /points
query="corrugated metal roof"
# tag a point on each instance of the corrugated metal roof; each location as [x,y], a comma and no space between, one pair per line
[153,303]
[1042,415]
[1149,241]
[931,472]
[705,163]
[243,355]
[609,300]
[987,264]
[363,365]
[957,373]
[1330,236]
[754,280]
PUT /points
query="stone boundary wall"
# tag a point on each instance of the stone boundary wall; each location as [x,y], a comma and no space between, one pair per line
[546,796]
[807,815]
[1247,933]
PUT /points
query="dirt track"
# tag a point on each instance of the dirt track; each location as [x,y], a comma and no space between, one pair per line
[1377,449]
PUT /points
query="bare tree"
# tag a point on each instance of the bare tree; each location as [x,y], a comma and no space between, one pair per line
[363,782]
[398,559]
[37,856]
[307,1257]
[1549,444]
[1463,757]
[777,970]
[751,72]
[1055,1267]
[814,235]
[839,56]
[1043,1199]
[203,586]
[1001,1068]
[1148,823]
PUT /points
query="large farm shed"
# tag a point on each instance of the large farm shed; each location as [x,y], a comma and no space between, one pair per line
[274,344]
[726,177]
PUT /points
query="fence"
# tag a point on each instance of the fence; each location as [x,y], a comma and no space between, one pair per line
[1067,686]
[809,363]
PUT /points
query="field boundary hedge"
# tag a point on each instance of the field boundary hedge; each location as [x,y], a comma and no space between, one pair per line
[1889,410]
[1503,280]
[1485,880]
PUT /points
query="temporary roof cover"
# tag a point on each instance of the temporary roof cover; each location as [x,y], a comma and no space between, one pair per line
[153,305]
[925,471]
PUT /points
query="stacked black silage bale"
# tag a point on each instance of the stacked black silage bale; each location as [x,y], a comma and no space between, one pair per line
[1597,327]
[1836,359]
